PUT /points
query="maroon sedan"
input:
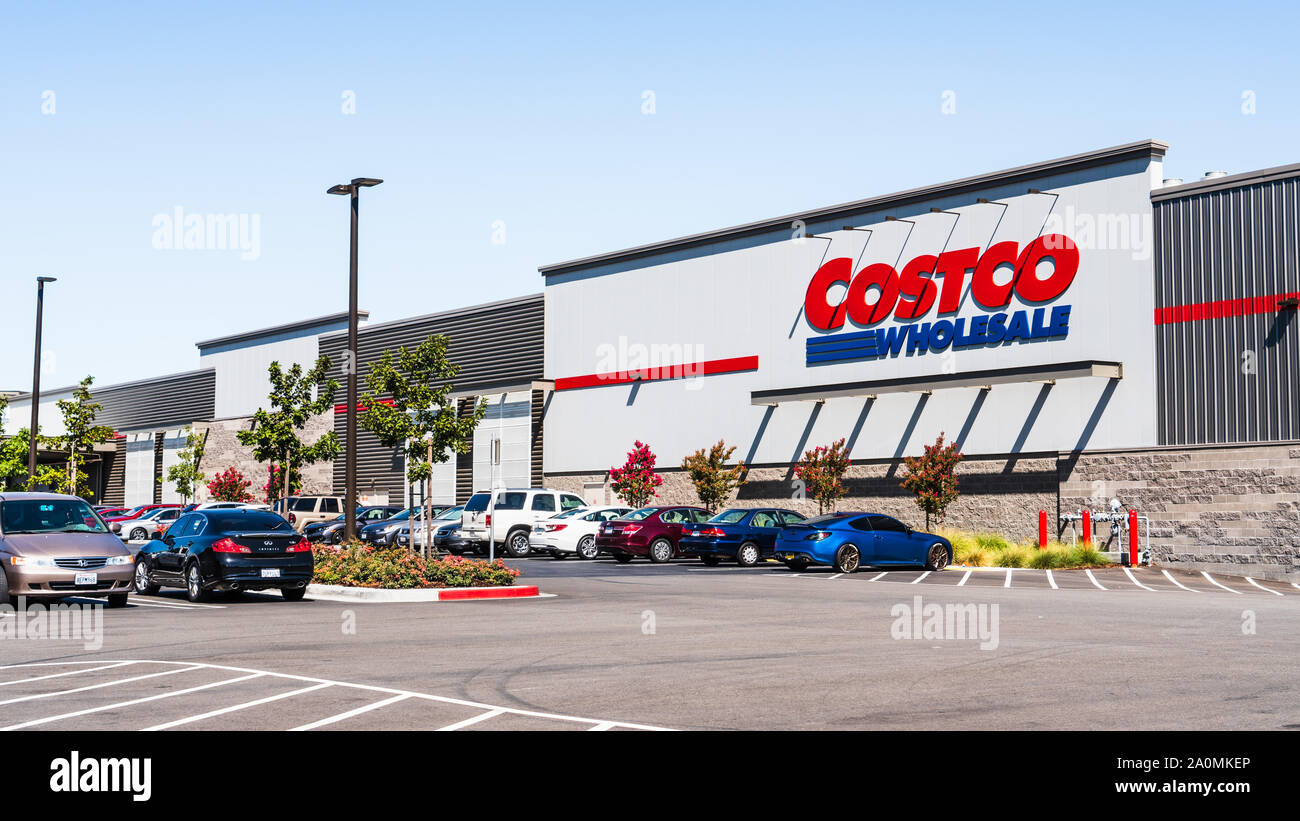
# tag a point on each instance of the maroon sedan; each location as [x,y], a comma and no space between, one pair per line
[134,513]
[653,532]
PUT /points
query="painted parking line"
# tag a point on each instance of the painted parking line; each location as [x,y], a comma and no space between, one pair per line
[234,708]
[1262,587]
[964,578]
[1052,580]
[1094,579]
[1134,579]
[601,727]
[350,713]
[1007,583]
[114,683]
[68,673]
[401,695]
[1180,584]
[1214,582]
[878,577]
[920,577]
[131,703]
[474,720]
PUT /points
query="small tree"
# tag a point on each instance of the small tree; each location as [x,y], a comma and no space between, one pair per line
[13,460]
[932,478]
[185,474]
[713,480]
[636,482]
[295,398]
[822,472]
[408,405]
[230,486]
[80,436]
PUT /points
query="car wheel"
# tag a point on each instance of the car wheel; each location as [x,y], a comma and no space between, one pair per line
[143,585]
[711,561]
[4,588]
[847,558]
[797,565]
[517,543]
[587,547]
[194,583]
[139,534]
[937,558]
[455,551]
[622,558]
[117,599]
[661,551]
[747,555]
[293,593]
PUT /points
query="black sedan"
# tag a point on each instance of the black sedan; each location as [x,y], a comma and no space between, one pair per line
[330,531]
[229,550]
[746,534]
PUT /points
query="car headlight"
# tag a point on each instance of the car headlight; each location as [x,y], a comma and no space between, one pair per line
[391,528]
[31,561]
[119,560]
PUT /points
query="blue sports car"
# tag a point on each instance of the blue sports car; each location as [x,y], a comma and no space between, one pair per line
[746,534]
[847,540]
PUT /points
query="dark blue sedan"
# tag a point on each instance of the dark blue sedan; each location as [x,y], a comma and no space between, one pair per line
[846,541]
[746,534]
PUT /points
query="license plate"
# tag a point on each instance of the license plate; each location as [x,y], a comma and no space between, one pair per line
[270,572]
[87,578]
[695,532]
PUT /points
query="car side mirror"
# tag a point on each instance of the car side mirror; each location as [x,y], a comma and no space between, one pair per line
[115,527]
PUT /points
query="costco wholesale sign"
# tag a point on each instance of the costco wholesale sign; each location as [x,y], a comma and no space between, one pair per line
[911,295]
[932,290]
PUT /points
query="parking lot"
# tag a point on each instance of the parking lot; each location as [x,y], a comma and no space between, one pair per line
[682,646]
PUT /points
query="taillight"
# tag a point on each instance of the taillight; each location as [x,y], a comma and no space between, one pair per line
[228,545]
[303,546]
[487,520]
[556,527]
[713,531]
[630,529]
[818,536]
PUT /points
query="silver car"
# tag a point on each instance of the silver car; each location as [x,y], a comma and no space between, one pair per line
[53,546]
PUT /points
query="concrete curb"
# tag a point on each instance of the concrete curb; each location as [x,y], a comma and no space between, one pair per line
[335,592]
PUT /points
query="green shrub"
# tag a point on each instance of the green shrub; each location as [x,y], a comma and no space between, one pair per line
[357,565]
[992,541]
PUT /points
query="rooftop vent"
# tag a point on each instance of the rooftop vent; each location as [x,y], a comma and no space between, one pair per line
[1209,175]
[1173,181]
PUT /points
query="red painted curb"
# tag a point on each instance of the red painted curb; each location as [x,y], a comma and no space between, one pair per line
[499,593]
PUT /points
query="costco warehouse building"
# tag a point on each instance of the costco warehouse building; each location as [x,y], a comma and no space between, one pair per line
[1082,327]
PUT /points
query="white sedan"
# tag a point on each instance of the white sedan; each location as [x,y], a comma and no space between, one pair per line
[149,524]
[573,531]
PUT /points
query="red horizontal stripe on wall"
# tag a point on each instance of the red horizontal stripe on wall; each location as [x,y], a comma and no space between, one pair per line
[342,407]
[1221,308]
[733,365]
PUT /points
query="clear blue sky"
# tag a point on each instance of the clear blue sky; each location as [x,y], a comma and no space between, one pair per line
[474,113]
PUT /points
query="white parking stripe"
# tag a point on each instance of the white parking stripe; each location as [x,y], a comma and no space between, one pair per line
[98,686]
[1007,583]
[178,603]
[1212,581]
[1094,579]
[1296,586]
[601,727]
[1262,587]
[918,578]
[152,604]
[1133,579]
[130,703]
[1175,581]
[964,578]
[475,720]
[190,719]
[69,673]
[1052,581]
[350,713]
[878,578]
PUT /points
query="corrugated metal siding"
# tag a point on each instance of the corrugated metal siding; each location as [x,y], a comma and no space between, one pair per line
[158,403]
[157,467]
[115,487]
[1236,243]
[495,344]
[464,461]
[538,403]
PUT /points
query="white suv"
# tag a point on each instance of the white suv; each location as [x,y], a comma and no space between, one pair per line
[510,515]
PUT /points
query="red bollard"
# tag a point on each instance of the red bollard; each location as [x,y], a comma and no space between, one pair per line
[1042,528]
[1132,538]
[1087,527]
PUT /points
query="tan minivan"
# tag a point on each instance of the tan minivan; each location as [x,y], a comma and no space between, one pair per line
[305,510]
[53,546]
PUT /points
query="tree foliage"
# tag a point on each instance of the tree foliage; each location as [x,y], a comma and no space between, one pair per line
[185,474]
[636,481]
[408,404]
[296,397]
[230,486]
[713,480]
[932,478]
[80,436]
[822,472]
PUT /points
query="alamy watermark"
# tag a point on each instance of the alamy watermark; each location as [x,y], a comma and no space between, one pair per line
[179,231]
[630,361]
[55,622]
[945,622]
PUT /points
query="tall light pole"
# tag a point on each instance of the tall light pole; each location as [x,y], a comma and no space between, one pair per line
[36,375]
[352,189]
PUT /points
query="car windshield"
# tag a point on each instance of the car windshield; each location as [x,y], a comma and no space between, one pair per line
[826,519]
[477,503]
[569,514]
[449,513]
[643,513]
[48,516]
[233,521]
[730,517]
